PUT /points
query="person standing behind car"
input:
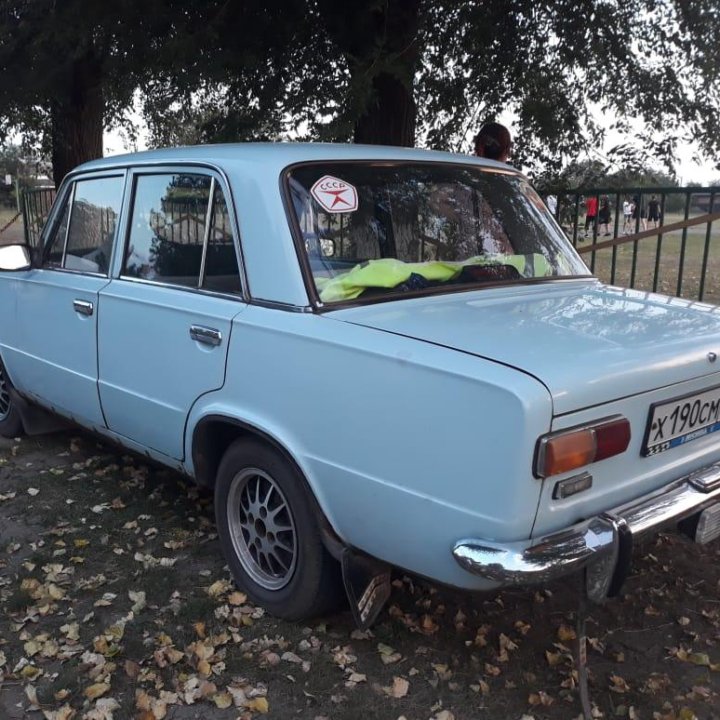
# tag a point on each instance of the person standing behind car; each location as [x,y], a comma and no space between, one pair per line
[637,213]
[591,205]
[653,212]
[604,214]
[627,216]
[493,142]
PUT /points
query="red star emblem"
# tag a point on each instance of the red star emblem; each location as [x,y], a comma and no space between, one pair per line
[337,197]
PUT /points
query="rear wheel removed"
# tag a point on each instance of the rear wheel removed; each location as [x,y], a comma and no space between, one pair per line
[269,533]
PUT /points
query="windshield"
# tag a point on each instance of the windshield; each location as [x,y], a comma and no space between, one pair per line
[379,229]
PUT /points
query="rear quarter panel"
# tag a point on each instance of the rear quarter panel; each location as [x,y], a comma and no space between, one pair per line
[408,447]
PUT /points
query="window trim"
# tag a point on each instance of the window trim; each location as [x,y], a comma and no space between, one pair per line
[66,198]
[187,168]
[318,306]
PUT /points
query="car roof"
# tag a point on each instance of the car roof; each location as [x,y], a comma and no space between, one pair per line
[282,154]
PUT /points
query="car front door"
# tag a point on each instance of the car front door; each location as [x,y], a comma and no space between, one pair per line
[165,320]
[54,356]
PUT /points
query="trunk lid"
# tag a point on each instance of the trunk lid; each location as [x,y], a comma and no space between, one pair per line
[588,343]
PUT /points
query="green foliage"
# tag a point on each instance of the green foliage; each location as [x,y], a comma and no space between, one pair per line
[238,70]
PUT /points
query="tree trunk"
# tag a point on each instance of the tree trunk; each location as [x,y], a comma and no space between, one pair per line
[380,43]
[389,117]
[76,115]
[390,111]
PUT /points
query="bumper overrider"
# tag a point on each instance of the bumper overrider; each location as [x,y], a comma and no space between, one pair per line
[601,545]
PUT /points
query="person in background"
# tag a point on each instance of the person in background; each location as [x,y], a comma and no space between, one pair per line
[604,215]
[653,212]
[551,202]
[638,213]
[591,206]
[627,216]
[493,142]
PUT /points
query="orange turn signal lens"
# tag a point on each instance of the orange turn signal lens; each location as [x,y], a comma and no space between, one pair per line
[571,449]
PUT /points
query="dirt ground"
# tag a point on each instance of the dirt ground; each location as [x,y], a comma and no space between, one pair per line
[115,603]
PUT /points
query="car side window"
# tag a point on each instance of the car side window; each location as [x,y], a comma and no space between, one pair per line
[169,230]
[84,236]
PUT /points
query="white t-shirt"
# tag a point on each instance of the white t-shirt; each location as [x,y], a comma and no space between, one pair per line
[627,208]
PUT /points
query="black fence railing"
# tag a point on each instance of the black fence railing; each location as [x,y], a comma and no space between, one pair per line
[36,204]
[664,239]
[181,220]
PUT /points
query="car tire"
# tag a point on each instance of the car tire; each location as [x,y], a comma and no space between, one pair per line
[269,533]
[10,421]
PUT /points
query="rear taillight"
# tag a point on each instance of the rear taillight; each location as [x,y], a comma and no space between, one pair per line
[571,449]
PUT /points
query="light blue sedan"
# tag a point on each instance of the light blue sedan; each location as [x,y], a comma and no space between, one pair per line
[375,357]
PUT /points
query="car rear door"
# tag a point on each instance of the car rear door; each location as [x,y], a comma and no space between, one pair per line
[165,320]
[54,355]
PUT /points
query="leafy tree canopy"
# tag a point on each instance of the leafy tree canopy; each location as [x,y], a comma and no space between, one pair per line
[425,72]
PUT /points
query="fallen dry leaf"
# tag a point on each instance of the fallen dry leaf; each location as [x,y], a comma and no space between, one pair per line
[258,704]
[566,633]
[95,691]
[398,689]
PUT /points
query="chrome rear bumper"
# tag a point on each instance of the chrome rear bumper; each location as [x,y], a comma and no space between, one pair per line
[602,544]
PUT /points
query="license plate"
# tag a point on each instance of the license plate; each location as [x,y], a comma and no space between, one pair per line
[682,420]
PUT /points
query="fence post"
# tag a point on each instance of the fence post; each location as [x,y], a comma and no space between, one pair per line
[683,242]
[658,247]
[706,250]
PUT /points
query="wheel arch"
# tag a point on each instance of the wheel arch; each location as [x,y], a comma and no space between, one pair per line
[212,436]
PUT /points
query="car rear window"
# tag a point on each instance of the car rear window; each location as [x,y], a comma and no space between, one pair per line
[379,229]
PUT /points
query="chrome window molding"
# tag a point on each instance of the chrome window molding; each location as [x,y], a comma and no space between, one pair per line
[206,234]
[70,205]
[277,305]
[317,304]
[135,170]
[187,288]
[63,201]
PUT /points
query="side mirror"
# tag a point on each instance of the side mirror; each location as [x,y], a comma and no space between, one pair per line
[14,258]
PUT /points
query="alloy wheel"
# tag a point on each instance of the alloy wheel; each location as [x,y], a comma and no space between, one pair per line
[262,528]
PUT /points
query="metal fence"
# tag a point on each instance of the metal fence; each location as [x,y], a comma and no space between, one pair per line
[678,255]
[36,204]
[669,243]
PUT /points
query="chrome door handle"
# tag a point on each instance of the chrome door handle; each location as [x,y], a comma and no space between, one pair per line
[83,307]
[206,335]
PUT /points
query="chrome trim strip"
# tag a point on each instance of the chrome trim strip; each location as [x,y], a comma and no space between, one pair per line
[186,288]
[276,305]
[564,552]
[206,234]
[70,205]
[72,272]
[206,335]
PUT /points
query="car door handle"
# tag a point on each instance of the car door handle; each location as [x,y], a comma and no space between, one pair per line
[206,335]
[83,307]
